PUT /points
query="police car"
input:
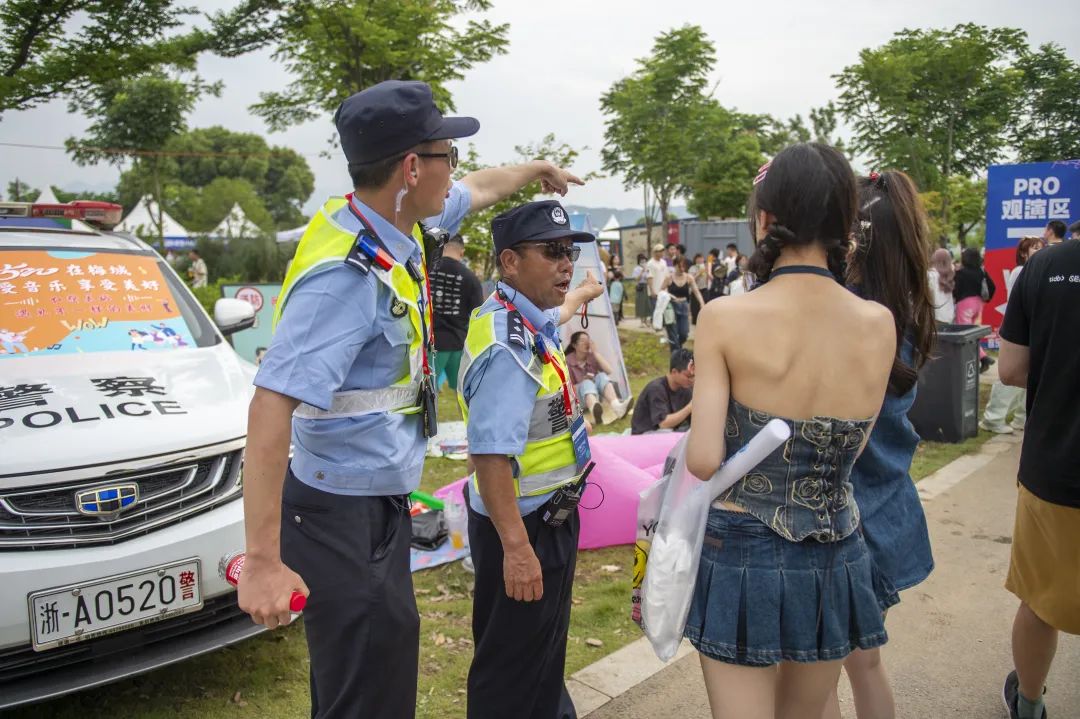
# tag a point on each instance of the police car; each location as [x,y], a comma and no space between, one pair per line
[123,414]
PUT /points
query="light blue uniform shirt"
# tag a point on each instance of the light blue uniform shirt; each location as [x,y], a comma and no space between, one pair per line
[337,334]
[501,394]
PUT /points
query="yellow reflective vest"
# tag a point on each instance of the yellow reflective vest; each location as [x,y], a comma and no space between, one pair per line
[327,242]
[548,461]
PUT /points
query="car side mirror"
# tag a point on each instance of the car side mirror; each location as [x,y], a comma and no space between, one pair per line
[232,315]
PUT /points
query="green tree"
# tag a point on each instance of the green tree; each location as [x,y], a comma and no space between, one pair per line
[730,157]
[335,48]
[476,228]
[19,191]
[64,48]
[132,120]
[650,113]
[934,103]
[201,209]
[823,122]
[280,176]
[1047,126]
[70,195]
[967,210]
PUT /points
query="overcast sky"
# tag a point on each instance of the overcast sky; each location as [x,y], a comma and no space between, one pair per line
[772,57]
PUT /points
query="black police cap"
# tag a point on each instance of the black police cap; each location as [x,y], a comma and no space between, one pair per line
[534,222]
[389,118]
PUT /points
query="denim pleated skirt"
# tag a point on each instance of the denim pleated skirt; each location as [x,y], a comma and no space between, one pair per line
[761,600]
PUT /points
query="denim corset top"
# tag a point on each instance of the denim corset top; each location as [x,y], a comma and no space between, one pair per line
[803,489]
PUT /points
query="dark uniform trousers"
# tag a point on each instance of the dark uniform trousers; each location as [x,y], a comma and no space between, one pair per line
[520,647]
[362,627]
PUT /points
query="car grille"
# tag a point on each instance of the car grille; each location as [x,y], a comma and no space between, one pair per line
[47,517]
[23,662]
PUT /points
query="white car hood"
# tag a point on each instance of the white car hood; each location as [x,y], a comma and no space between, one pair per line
[143,405]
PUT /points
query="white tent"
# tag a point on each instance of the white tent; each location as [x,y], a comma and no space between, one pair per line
[142,220]
[610,230]
[236,225]
[47,197]
[602,330]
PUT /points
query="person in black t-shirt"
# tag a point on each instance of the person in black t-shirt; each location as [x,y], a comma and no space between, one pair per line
[455,293]
[1040,350]
[665,401]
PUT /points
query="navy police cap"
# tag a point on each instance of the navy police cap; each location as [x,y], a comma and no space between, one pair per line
[534,222]
[389,118]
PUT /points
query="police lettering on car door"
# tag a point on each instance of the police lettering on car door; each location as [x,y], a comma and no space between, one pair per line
[35,405]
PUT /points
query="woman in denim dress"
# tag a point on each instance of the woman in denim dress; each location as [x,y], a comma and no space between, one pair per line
[890,266]
[786,588]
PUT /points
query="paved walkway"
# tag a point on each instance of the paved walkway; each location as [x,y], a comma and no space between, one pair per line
[949,638]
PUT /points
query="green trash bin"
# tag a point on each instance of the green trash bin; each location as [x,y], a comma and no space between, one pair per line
[946,407]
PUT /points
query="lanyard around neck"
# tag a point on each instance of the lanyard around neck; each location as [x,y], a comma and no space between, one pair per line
[547,356]
[419,276]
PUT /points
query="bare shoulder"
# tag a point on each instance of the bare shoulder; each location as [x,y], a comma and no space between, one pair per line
[720,314]
[879,327]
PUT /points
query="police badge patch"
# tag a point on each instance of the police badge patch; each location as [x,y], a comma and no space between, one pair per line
[398,308]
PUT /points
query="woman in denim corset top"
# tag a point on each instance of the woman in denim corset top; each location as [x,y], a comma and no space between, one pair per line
[786,587]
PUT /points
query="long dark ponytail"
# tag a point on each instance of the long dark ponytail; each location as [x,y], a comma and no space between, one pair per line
[891,266]
[810,189]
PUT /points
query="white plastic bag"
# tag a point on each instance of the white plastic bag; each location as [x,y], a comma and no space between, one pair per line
[674,552]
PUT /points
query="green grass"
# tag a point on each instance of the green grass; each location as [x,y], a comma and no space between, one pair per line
[932,456]
[268,676]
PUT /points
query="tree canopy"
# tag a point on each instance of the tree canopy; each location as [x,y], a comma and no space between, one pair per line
[58,48]
[648,132]
[335,48]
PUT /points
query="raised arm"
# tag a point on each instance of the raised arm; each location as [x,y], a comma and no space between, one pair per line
[493,184]
[589,289]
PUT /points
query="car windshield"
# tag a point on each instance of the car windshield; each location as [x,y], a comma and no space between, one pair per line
[56,301]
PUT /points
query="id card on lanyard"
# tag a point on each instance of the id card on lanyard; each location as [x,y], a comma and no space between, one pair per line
[426,397]
[582,451]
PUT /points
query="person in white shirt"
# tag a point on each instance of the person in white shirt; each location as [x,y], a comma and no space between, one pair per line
[1004,398]
[940,277]
[658,271]
[197,272]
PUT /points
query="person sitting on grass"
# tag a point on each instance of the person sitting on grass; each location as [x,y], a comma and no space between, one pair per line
[664,404]
[591,374]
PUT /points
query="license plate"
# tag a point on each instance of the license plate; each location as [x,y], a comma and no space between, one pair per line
[77,612]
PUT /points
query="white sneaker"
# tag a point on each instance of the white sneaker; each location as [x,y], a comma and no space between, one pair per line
[467,565]
[995,428]
[620,407]
[1018,426]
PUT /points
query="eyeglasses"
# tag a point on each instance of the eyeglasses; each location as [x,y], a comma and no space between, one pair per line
[554,251]
[451,156]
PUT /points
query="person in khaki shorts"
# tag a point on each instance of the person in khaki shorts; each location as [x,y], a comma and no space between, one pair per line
[1040,350]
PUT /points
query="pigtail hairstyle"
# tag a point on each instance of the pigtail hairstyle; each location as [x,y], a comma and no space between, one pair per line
[891,265]
[809,189]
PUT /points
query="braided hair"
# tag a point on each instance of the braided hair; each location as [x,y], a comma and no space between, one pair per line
[809,189]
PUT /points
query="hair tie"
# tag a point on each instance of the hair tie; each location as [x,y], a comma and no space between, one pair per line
[762,171]
[878,180]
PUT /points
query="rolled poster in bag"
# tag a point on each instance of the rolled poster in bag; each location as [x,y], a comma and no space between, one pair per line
[674,552]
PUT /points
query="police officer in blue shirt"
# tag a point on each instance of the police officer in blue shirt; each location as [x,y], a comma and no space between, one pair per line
[528,445]
[346,383]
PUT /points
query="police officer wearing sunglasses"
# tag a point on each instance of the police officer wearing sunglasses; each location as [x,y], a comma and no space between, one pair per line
[528,445]
[346,382]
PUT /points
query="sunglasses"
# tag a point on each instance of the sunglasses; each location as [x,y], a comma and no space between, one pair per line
[554,251]
[451,156]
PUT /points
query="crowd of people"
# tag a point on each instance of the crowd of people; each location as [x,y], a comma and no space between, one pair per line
[803,556]
[670,280]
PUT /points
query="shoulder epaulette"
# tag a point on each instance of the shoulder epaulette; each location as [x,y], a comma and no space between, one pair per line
[358,260]
[515,330]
